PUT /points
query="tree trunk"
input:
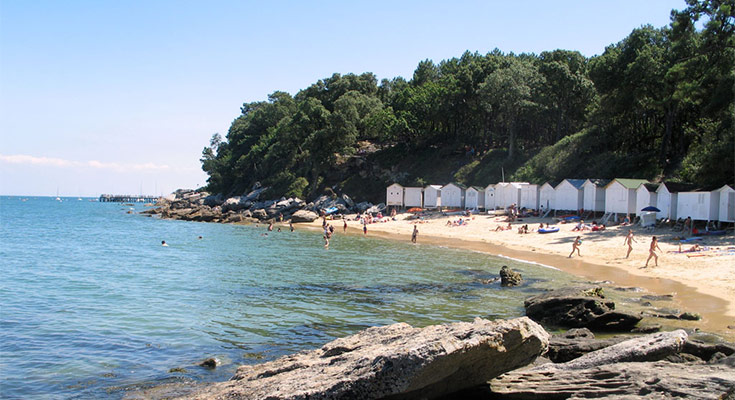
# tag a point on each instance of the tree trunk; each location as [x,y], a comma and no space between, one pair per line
[511,140]
[669,123]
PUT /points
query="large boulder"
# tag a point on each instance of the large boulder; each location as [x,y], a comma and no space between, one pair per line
[395,360]
[576,343]
[508,277]
[304,216]
[579,307]
[214,200]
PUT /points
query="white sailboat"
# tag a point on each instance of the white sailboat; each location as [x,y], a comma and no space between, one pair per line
[57,194]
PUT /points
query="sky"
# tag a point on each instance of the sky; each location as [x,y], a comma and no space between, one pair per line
[121,97]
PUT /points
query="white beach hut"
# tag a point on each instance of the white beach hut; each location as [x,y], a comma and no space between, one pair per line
[453,195]
[569,195]
[413,197]
[433,196]
[490,197]
[727,204]
[529,196]
[547,196]
[700,205]
[394,195]
[667,197]
[594,194]
[620,196]
[646,195]
[507,193]
[474,198]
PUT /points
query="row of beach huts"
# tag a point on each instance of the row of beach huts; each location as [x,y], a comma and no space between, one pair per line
[608,196]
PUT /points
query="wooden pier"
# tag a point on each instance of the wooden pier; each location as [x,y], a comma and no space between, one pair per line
[128,198]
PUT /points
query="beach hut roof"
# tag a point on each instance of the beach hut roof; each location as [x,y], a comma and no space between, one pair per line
[478,188]
[629,183]
[553,184]
[437,187]
[577,183]
[652,187]
[676,187]
[395,184]
[726,188]
[459,185]
[599,182]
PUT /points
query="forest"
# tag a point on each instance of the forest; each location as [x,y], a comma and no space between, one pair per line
[657,105]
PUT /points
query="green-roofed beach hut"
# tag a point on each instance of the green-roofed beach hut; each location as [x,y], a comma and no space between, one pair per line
[620,196]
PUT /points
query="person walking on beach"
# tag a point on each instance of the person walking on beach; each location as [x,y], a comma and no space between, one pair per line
[629,241]
[344,227]
[415,234]
[652,252]
[364,228]
[575,246]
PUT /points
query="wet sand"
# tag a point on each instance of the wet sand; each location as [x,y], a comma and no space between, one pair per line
[703,284]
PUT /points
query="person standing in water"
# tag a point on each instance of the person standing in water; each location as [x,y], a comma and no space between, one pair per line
[290,225]
[575,246]
[629,241]
[652,252]
[364,228]
[414,234]
[344,227]
[163,243]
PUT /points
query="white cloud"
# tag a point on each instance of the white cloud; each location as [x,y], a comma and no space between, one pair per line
[59,162]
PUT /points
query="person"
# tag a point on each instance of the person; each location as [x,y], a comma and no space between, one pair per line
[579,226]
[626,220]
[290,225]
[279,229]
[414,234]
[652,252]
[575,246]
[163,243]
[200,238]
[688,226]
[629,239]
[270,227]
[344,227]
[364,229]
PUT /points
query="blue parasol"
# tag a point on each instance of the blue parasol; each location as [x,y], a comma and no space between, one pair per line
[650,208]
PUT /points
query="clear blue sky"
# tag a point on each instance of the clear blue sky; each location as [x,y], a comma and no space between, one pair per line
[121,96]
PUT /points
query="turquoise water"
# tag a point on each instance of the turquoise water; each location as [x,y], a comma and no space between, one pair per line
[92,306]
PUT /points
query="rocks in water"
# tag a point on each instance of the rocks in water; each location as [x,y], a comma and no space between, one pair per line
[508,277]
[396,360]
[675,315]
[579,307]
[304,216]
[210,363]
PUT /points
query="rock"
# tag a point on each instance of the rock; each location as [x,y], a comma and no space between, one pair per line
[260,214]
[362,207]
[576,343]
[508,277]
[652,347]
[214,200]
[707,351]
[304,216]
[690,316]
[236,204]
[629,380]
[348,201]
[255,193]
[395,360]
[653,328]
[577,307]
[210,363]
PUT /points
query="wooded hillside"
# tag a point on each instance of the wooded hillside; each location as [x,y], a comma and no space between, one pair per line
[658,104]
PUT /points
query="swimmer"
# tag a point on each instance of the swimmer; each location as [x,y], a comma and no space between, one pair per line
[163,243]
[200,238]
[290,225]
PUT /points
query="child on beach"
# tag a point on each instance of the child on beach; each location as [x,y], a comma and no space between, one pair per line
[629,241]
[575,246]
[652,252]
[414,234]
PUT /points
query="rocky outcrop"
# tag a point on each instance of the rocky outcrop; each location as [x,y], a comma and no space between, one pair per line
[508,277]
[630,380]
[579,307]
[576,343]
[303,216]
[631,369]
[395,361]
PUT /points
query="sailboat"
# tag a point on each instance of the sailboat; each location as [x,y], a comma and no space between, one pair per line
[57,194]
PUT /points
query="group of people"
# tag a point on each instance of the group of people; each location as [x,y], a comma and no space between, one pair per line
[594,227]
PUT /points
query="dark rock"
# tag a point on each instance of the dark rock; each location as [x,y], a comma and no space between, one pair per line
[236,204]
[706,351]
[577,307]
[508,277]
[395,361]
[210,363]
[657,297]
[348,201]
[214,200]
[363,206]
[304,216]
[653,328]
[255,194]
[576,343]
[690,316]
[578,333]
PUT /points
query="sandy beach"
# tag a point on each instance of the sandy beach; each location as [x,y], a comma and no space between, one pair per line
[702,282]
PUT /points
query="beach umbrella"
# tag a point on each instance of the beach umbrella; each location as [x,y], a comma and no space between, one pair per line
[650,208]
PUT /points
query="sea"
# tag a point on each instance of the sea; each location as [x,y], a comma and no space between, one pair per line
[92,306]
